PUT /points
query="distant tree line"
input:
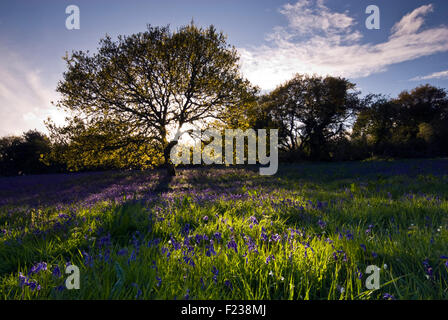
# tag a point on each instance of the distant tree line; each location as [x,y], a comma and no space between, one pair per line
[319,119]
[125,102]
[25,154]
[325,119]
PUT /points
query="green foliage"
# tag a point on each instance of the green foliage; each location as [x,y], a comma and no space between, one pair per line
[413,124]
[126,98]
[25,154]
[126,220]
[310,112]
[401,217]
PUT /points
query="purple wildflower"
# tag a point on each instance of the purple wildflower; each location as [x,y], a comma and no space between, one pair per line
[388,296]
[445,258]
[428,269]
[25,281]
[41,266]
[269,259]
[122,252]
[159,281]
[228,284]
[264,237]
[202,284]
[359,274]
[56,272]
[253,220]
[139,292]
[105,241]
[218,236]
[133,257]
[322,224]
[232,245]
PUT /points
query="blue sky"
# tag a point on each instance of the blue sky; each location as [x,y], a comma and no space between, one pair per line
[275,39]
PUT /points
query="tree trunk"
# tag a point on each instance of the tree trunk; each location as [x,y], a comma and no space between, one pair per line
[171,169]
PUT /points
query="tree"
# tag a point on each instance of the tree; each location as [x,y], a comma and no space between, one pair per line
[24,154]
[423,120]
[376,123]
[413,124]
[137,90]
[312,111]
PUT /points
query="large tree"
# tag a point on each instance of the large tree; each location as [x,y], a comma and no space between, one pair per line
[312,111]
[24,154]
[413,124]
[422,121]
[137,90]
[376,123]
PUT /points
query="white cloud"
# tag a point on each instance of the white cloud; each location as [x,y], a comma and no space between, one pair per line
[305,18]
[25,100]
[411,22]
[435,75]
[319,41]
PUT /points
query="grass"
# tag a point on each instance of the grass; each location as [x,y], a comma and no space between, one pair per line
[308,232]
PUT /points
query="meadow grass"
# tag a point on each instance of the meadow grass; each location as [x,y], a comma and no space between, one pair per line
[308,232]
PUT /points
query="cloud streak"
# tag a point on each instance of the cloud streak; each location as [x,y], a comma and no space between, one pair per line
[317,40]
[435,75]
[25,101]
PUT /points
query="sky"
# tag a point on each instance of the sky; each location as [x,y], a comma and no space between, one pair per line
[275,40]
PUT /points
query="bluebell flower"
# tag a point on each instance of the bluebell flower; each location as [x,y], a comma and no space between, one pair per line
[269,259]
[359,274]
[105,241]
[322,224]
[335,256]
[264,237]
[60,288]
[218,236]
[253,220]
[56,272]
[25,281]
[139,292]
[388,296]
[159,281]
[428,269]
[22,279]
[122,252]
[186,229]
[445,258]
[198,238]
[202,284]
[215,272]
[228,284]
[41,266]
[232,245]
[33,285]
[133,257]
[189,261]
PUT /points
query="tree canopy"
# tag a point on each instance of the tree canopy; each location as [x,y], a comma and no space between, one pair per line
[311,111]
[130,96]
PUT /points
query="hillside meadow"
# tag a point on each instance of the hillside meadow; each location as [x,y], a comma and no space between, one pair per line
[309,232]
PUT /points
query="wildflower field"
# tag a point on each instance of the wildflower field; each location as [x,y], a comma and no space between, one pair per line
[309,232]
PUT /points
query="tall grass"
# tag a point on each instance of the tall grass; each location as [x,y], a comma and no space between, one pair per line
[307,233]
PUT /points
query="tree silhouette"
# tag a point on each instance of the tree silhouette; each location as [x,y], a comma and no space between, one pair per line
[139,89]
